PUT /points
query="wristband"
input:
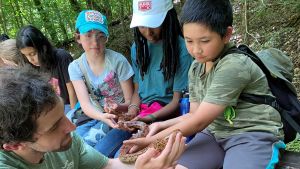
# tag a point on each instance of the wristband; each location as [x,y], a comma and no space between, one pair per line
[153,118]
[135,106]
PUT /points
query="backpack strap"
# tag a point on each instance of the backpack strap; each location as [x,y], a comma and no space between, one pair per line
[87,82]
[290,120]
[245,50]
[262,99]
[258,99]
[253,98]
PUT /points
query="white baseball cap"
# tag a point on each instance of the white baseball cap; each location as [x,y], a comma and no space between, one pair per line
[149,13]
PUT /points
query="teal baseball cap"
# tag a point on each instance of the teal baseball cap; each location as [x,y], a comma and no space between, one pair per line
[88,20]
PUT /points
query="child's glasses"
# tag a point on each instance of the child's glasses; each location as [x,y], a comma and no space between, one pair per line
[97,36]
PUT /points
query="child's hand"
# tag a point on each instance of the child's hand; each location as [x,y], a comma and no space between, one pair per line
[109,120]
[137,118]
[133,111]
[139,143]
[154,128]
[145,119]
[129,116]
[110,106]
[152,159]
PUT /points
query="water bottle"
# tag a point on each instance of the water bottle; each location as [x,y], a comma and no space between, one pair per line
[184,104]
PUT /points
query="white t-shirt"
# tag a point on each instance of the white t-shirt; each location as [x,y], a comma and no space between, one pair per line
[107,84]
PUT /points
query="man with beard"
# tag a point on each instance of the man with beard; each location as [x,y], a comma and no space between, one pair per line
[36,134]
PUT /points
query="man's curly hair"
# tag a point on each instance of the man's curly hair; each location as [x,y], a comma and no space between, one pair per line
[25,94]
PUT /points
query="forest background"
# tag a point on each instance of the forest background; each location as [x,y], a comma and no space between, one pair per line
[258,23]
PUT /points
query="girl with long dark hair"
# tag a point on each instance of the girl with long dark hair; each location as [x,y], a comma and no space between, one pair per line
[39,52]
[160,61]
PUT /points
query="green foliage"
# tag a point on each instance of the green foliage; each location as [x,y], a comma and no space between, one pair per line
[258,23]
[294,146]
[56,18]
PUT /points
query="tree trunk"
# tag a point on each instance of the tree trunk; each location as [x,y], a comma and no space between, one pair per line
[15,16]
[106,9]
[128,6]
[61,23]
[19,12]
[89,4]
[2,17]
[92,5]
[245,22]
[30,16]
[48,24]
[75,5]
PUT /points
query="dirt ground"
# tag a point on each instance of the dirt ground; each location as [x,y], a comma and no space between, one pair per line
[271,23]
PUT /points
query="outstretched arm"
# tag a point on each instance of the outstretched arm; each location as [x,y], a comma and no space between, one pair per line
[112,106]
[72,94]
[195,122]
[158,126]
[166,111]
[188,125]
[87,106]
[127,88]
[135,100]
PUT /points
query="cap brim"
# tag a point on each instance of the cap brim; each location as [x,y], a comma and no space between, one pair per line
[150,21]
[88,27]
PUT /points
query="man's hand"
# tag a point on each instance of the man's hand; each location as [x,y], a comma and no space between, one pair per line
[152,159]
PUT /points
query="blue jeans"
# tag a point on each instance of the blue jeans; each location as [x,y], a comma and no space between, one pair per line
[67,108]
[112,142]
[93,131]
[107,144]
[117,153]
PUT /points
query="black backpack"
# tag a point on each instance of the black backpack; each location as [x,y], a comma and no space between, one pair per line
[278,69]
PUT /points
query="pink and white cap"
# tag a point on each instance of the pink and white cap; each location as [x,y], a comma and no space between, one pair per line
[150,13]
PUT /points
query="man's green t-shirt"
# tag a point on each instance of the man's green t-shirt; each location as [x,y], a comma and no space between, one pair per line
[222,85]
[79,156]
